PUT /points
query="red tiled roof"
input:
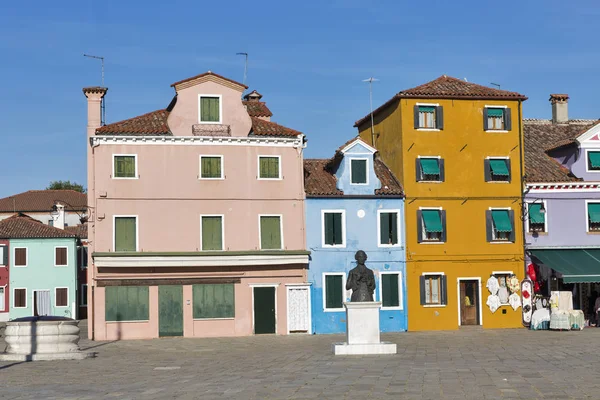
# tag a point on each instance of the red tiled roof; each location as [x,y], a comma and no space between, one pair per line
[152,123]
[21,226]
[257,109]
[81,230]
[205,74]
[446,87]
[260,127]
[43,200]
[541,137]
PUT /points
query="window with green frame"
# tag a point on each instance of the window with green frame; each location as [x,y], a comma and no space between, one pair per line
[334,291]
[593,160]
[124,166]
[388,228]
[268,167]
[211,167]
[126,303]
[212,232]
[593,210]
[358,171]
[125,234]
[390,290]
[214,300]
[270,232]
[333,228]
[210,109]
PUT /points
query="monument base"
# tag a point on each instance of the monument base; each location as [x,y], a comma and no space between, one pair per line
[345,349]
[73,355]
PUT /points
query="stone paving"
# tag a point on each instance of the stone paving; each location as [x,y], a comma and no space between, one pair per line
[465,364]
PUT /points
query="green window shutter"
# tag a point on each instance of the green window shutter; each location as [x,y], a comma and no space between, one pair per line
[439,117]
[499,167]
[495,112]
[432,221]
[270,233]
[502,221]
[333,228]
[328,228]
[124,166]
[125,234]
[594,159]
[507,119]
[594,212]
[384,228]
[430,166]
[423,296]
[209,109]
[389,290]
[359,171]
[214,300]
[269,167]
[337,229]
[535,215]
[127,303]
[211,167]
[212,233]
[333,291]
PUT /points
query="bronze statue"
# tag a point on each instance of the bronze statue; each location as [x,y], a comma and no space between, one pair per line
[361,279]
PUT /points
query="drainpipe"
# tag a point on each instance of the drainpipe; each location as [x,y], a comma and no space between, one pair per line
[522,182]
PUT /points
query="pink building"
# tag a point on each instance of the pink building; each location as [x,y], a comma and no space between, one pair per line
[196,222]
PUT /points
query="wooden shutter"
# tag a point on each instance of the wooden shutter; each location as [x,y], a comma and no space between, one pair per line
[21,256]
[419,226]
[394,227]
[487,171]
[4,255]
[416,112]
[333,291]
[212,233]
[443,290]
[125,234]
[126,303]
[213,301]
[442,170]
[20,297]
[485,118]
[443,219]
[389,290]
[507,119]
[337,228]
[439,117]
[269,167]
[511,215]
[270,233]
[489,225]
[384,228]
[328,221]
[422,293]
[62,297]
[359,171]
[61,256]
[509,170]
[209,109]
[418,169]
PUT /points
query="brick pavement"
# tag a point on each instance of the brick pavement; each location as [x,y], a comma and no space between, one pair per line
[466,364]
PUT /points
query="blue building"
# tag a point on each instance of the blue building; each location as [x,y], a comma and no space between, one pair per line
[354,202]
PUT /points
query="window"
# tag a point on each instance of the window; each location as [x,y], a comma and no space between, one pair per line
[83,301]
[212,232]
[433,290]
[20,256]
[210,109]
[214,301]
[50,222]
[429,116]
[3,256]
[2,297]
[358,171]
[496,119]
[60,256]
[390,290]
[334,287]
[536,217]
[388,228]
[125,166]
[431,225]
[334,224]
[270,232]
[593,160]
[61,297]
[430,169]
[503,278]
[500,226]
[125,233]
[593,217]
[269,167]
[126,303]
[82,257]
[20,298]
[211,167]
[497,169]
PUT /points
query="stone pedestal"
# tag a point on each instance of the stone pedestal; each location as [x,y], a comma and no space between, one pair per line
[362,331]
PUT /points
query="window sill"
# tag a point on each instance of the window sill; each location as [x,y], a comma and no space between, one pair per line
[126,179]
[434,305]
[334,310]
[427,242]
[496,131]
[211,122]
[504,241]
[61,306]
[430,181]
[269,179]
[388,246]
[497,181]
[61,266]
[593,233]
[215,319]
[211,179]
[537,233]
[20,307]
[392,308]
[333,246]
[120,322]
[429,129]
[359,184]
[25,266]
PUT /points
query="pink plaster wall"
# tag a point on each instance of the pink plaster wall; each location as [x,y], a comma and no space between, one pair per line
[4,280]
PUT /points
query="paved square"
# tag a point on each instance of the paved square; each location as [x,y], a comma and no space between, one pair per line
[466,364]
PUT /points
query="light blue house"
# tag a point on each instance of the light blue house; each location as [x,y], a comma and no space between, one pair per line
[42,268]
[354,202]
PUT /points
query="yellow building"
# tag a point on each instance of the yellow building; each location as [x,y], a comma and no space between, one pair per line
[457,148]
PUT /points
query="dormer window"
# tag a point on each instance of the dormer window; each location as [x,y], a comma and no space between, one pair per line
[593,161]
[358,171]
[209,109]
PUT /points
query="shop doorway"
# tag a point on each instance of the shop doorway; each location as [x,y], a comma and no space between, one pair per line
[170,310]
[264,309]
[469,293]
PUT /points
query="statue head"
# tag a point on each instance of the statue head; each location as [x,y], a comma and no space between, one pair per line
[360,257]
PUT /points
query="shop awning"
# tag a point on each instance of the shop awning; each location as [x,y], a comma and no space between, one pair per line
[575,265]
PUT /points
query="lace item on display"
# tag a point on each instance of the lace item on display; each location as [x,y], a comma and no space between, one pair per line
[515,301]
[493,302]
[492,285]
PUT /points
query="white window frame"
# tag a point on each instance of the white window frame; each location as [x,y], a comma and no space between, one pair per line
[439,166]
[398,227]
[440,274]
[435,118]
[503,119]
[56,297]
[528,203]
[137,230]
[14,298]
[440,209]
[587,216]
[367,169]
[83,299]
[222,167]
[400,294]
[135,156]
[489,158]
[344,291]
[2,298]
[26,257]
[200,96]
[332,211]
[222,230]
[61,247]
[3,249]
[494,240]
[280,230]
[587,163]
[258,167]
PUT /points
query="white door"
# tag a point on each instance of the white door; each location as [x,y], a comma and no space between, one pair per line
[298,310]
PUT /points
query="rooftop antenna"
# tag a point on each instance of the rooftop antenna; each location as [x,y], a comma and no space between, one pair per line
[245,65]
[495,84]
[371,80]
[102,105]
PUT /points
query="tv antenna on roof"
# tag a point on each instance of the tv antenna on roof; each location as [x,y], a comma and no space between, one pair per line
[495,84]
[102,105]
[371,80]
[245,65]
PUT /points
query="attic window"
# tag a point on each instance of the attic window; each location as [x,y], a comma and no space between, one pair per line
[209,111]
[358,171]
[593,160]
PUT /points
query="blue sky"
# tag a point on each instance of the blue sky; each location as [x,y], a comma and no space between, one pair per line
[307,58]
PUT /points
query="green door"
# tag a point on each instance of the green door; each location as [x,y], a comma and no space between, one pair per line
[170,310]
[264,310]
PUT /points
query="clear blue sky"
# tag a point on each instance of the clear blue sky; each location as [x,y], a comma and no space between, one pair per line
[307,58]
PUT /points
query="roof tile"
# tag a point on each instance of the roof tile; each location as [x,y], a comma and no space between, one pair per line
[81,230]
[257,109]
[21,226]
[152,123]
[43,200]
[260,127]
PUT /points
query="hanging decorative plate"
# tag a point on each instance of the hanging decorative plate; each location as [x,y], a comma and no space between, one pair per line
[513,284]
[526,299]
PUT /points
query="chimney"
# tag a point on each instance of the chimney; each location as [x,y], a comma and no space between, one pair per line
[58,216]
[253,96]
[94,99]
[560,108]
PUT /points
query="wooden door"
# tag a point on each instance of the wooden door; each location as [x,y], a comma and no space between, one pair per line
[264,310]
[469,300]
[170,310]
